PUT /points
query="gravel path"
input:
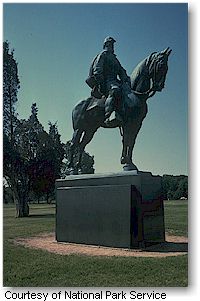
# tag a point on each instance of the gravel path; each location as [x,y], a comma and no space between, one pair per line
[174,246]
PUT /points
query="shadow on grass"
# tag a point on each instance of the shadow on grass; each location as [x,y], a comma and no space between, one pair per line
[168,247]
[52,215]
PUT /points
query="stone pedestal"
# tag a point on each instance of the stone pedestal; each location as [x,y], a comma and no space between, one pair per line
[117,210]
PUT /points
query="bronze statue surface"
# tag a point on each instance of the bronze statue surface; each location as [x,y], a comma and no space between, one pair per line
[114,91]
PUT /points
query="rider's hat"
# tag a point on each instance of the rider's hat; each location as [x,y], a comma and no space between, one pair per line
[108,40]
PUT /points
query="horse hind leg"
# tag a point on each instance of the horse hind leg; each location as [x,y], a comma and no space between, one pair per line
[124,153]
[74,143]
[87,137]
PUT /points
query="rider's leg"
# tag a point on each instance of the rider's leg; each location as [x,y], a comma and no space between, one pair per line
[112,101]
[109,106]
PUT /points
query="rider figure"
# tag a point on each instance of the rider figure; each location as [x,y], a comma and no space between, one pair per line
[106,78]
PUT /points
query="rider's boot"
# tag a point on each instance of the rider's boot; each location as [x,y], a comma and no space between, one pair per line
[110,117]
[108,110]
[96,93]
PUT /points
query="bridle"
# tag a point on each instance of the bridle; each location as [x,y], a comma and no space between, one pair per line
[150,92]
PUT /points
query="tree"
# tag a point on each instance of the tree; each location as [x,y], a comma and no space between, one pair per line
[57,154]
[11,85]
[57,147]
[44,154]
[49,161]
[32,144]
[14,173]
[13,162]
[182,189]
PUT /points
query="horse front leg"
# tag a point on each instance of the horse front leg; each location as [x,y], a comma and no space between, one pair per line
[129,162]
[124,151]
[132,138]
[125,144]
[128,144]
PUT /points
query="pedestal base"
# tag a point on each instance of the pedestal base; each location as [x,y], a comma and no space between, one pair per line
[116,210]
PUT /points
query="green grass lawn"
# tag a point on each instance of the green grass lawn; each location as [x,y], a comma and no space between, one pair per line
[176,215]
[25,267]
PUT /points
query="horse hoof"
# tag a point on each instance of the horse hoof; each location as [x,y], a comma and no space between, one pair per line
[130,166]
[73,172]
[123,160]
[80,171]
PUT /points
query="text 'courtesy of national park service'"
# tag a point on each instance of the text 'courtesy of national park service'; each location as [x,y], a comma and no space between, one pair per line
[80,295]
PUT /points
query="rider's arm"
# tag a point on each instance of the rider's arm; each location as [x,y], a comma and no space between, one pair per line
[98,68]
[122,74]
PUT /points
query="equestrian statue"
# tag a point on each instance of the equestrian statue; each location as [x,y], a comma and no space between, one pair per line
[116,100]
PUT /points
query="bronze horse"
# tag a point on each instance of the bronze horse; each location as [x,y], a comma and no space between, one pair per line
[88,115]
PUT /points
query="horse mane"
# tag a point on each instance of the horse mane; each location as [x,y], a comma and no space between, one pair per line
[141,71]
[150,57]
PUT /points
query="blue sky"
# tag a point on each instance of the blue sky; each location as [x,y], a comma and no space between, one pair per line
[54,46]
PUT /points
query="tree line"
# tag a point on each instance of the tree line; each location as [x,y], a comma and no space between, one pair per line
[175,187]
[32,157]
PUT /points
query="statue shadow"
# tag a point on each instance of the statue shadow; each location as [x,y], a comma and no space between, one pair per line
[42,215]
[167,247]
